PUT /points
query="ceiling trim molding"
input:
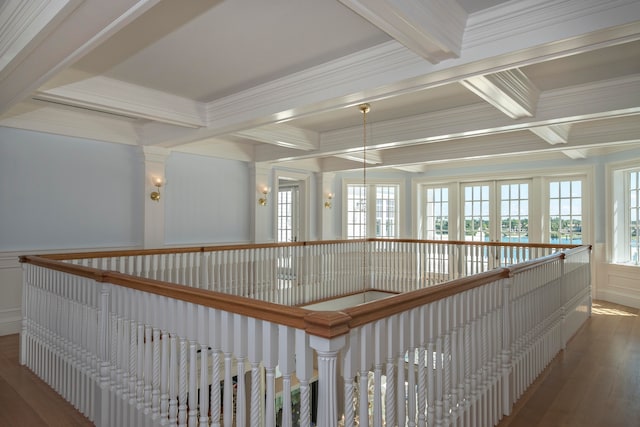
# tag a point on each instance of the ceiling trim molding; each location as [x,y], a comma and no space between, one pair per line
[513,19]
[23,23]
[75,124]
[283,136]
[509,91]
[115,96]
[432,29]
[90,23]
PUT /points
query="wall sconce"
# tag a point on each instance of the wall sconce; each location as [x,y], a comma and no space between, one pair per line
[155,195]
[262,201]
[327,203]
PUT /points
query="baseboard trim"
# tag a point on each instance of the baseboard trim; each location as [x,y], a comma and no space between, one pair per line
[10,321]
[618,298]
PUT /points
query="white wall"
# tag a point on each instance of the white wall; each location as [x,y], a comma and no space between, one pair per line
[60,194]
[206,200]
[67,193]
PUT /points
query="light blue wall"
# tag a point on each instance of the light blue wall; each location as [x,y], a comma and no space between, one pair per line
[59,192]
[206,200]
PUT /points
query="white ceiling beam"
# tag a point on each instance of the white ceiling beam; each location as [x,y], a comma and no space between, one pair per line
[115,96]
[625,130]
[604,99]
[283,136]
[70,33]
[370,157]
[214,147]
[432,29]
[575,154]
[553,134]
[509,91]
[23,24]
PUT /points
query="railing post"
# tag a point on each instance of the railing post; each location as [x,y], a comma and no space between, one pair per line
[506,346]
[102,386]
[327,350]
[335,327]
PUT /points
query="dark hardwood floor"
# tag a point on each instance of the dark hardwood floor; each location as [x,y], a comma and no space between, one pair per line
[595,382]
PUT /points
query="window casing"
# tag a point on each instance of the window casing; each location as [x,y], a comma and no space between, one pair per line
[625,226]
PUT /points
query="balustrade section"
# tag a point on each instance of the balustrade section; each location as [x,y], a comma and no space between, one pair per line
[127,348]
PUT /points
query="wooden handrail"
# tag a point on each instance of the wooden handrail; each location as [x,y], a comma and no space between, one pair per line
[327,324]
[240,246]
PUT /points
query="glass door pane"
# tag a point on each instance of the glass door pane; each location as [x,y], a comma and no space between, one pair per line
[514,212]
[477,212]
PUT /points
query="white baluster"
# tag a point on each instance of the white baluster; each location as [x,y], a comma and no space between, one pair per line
[392,345]
[304,372]
[286,364]
[173,381]
[366,349]
[193,385]
[270,357]
[148,370]
[351,357]
[240,349]
[254,352]
[182,383]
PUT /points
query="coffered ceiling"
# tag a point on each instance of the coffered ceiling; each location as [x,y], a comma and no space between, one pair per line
[279,81]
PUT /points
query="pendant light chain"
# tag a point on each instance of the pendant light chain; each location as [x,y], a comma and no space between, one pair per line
[364,108]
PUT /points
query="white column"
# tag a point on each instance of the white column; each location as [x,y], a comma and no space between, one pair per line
[154,168]
[327,350]
[263,216]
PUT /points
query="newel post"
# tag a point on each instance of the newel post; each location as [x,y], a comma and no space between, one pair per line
[103,339]
[328,335]
[506,345]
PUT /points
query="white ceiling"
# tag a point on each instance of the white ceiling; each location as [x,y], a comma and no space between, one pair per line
[279,81]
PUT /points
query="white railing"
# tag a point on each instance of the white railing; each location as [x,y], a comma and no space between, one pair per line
[130,351]
[301,273]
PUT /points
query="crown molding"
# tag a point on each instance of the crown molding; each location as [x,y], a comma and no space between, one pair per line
[67,122]
[509,91]
[432,29]
[115,96]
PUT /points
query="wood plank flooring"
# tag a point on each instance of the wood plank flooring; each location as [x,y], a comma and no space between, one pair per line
[595,382]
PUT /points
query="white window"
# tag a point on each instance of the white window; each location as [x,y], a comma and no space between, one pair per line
[626,216]
[565,211]
[379,222]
